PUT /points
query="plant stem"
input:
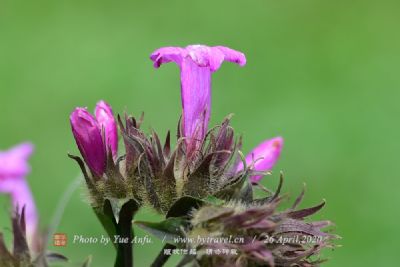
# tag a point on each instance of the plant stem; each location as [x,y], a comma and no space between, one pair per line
[125,232]
[162,257]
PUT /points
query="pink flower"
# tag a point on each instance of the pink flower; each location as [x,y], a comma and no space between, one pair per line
[196,63]
[263,157]
[13,169]
[88,132]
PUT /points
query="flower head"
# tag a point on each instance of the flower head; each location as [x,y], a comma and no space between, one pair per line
[89,131]
[13,169]
[196,63]
[269,236]
[263,157]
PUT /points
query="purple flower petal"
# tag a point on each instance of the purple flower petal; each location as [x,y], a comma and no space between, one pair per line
[13,169]
[21,196]
[105,118]
[264,157]
[205,56]
[196,63]
[232,55]
[196,101]
[168,54]
[13,163]
[88,137]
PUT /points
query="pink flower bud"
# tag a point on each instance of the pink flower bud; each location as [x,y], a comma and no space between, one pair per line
[87,134]
[264,157]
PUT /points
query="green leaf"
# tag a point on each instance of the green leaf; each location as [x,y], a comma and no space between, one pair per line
[116,206]
[106,218]
[165,230]
[55,257]
[214,200]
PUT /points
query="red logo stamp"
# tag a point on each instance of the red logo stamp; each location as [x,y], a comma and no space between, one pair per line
[60,240]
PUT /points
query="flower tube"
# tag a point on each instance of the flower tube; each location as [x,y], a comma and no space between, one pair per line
[196,63]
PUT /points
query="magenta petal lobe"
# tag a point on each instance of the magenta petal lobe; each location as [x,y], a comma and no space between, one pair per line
[205,56]
[167,54]
[232,55]
[88,137]
[202,55]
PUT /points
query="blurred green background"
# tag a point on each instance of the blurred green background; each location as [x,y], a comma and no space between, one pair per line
[322,74]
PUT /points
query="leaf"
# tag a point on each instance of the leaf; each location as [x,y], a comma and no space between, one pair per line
[83,169]
[296,226]
[107,215]
[299,198]
[214,200]
[270,199]
[300,214]
[165,230]
[106,218]
[55,257]
[211,213]
[116,206]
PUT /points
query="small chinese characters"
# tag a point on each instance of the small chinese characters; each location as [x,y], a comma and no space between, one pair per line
[180,251]
[223,251]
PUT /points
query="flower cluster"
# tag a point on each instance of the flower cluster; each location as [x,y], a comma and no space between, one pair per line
[204,161]
[264,236]
[203,185]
